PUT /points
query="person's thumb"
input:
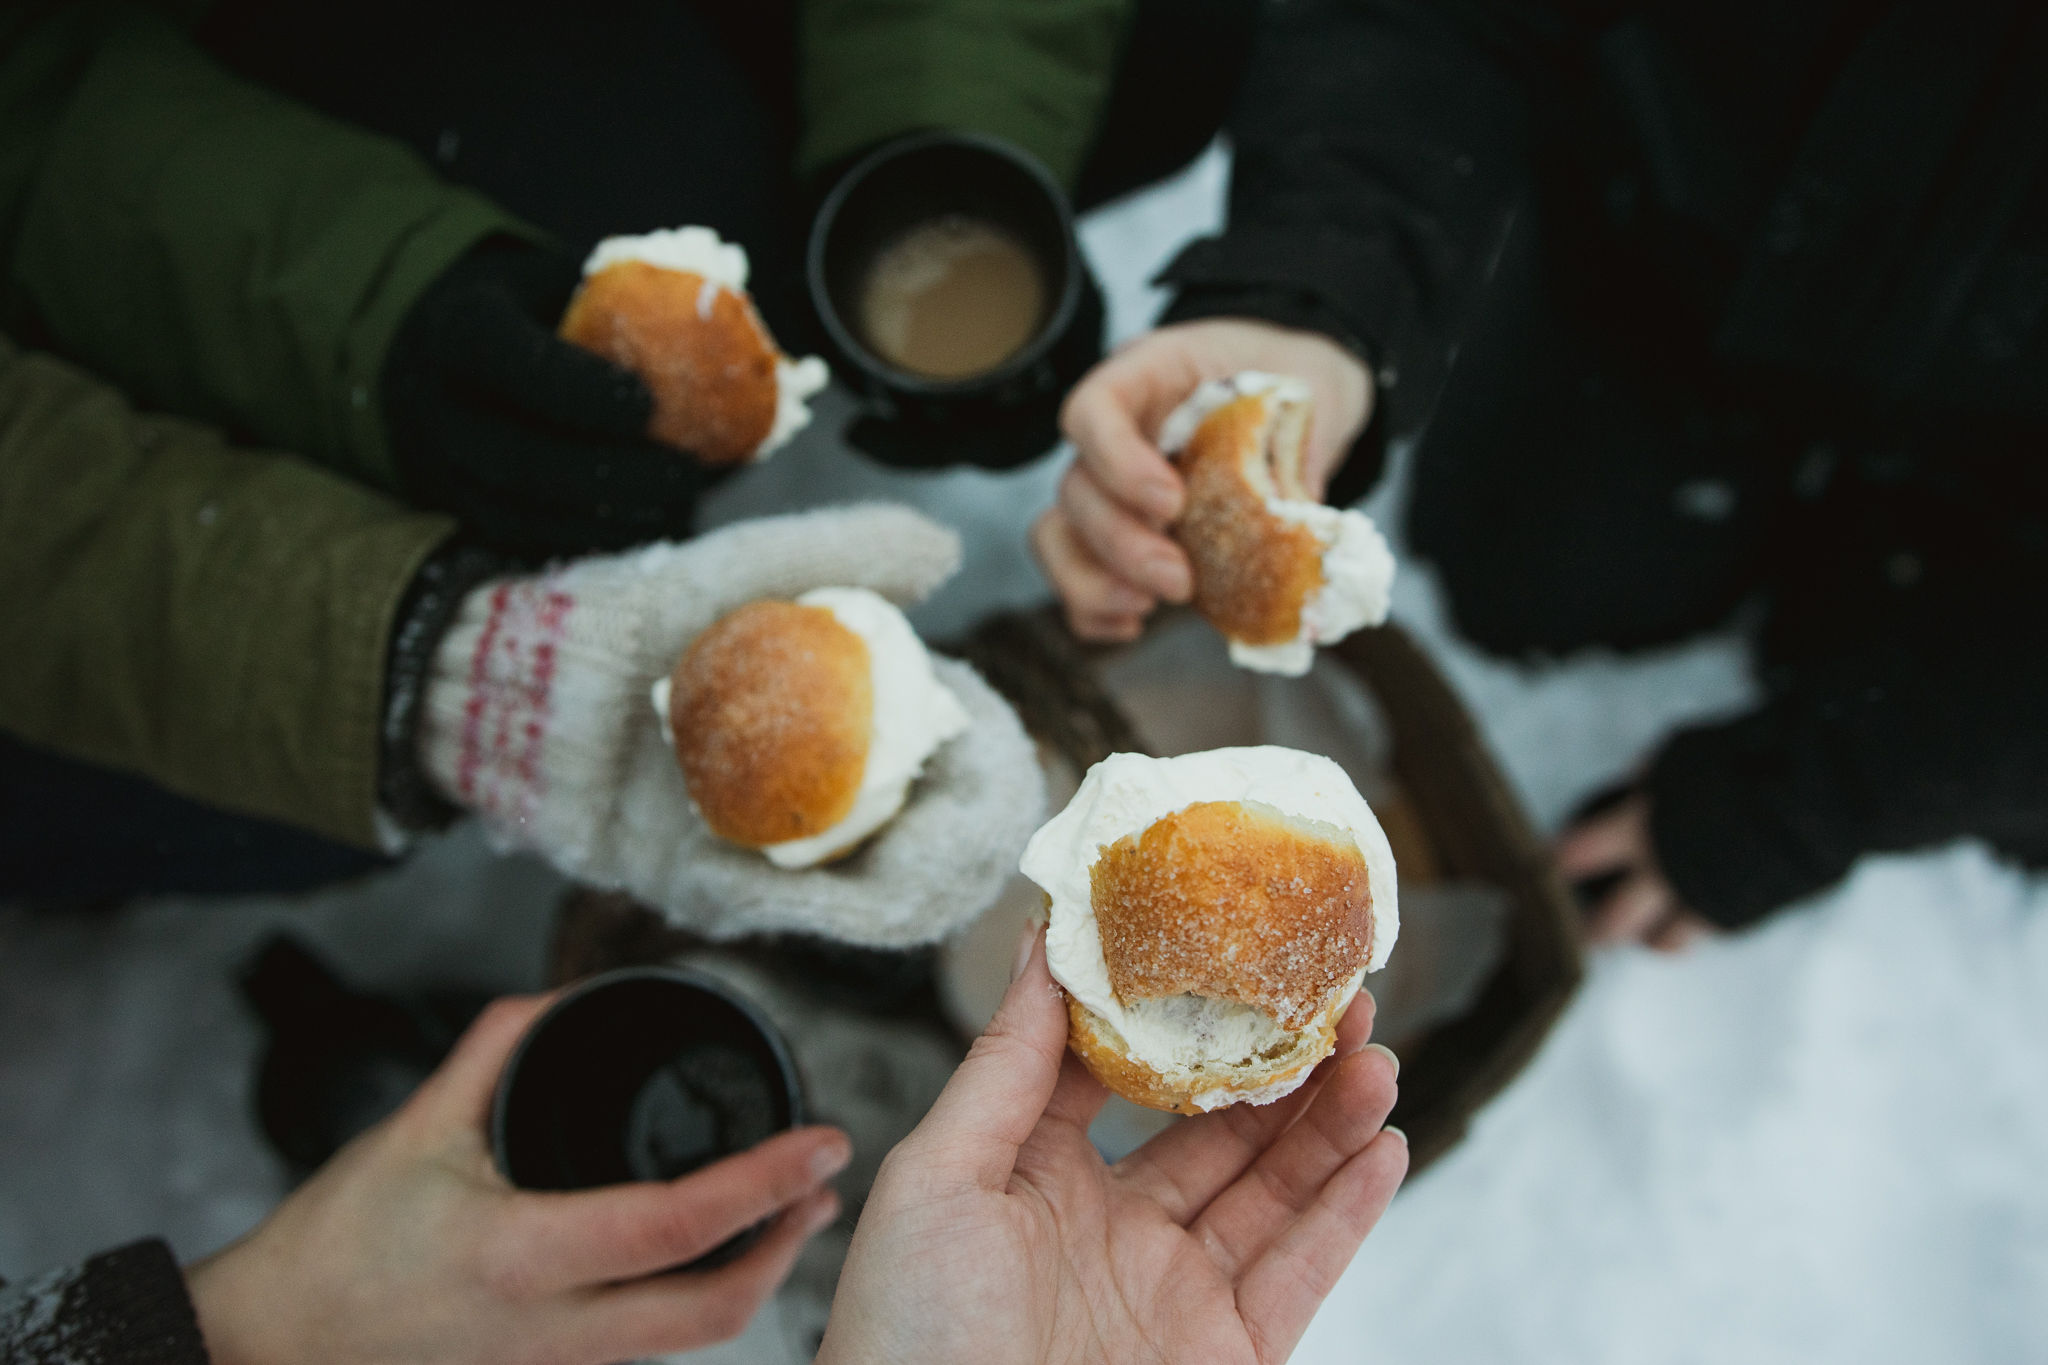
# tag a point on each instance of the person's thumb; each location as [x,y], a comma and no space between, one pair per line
[458,1095]
[996,1098]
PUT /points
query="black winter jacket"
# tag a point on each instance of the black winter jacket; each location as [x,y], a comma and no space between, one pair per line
[1837,211]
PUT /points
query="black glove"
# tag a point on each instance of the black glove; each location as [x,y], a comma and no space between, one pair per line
[538,446]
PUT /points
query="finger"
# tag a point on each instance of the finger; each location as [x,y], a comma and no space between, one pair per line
[1110,630]
[1098,605]
[1081,581]
[1680,930]
[623,1231]
[1189,1164]
[1280,1291]
[696,1308]
[1350,1110]
[1631,911]
[996,1098]
[1100,420]
[458,1094]
[1078,1097]
[1618,837]
[1120,543]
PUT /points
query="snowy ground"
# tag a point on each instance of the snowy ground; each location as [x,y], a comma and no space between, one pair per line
[1826,1140]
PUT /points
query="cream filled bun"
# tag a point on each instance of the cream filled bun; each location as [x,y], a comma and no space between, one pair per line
[1276,571]
[672,307]
[800,725]
[1211,916]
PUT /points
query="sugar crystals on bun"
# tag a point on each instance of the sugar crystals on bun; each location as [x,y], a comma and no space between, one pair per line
[800,726]
[1275,571]
[1211,916]
[672,307]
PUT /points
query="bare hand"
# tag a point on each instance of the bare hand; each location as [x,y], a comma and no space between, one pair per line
[1641,906]
[995,1232]
[1103,543]
[410,1246]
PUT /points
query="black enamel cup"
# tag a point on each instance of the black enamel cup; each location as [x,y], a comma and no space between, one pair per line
[646,1073]
[998,417]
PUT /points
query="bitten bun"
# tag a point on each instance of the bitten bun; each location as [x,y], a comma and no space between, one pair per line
[1275,571]
[1211,916]
[800,726]
[672,308]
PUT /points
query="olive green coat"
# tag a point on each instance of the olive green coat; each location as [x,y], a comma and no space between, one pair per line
[216,617]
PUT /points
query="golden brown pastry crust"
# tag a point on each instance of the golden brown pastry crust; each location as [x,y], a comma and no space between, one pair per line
[1253,570]
[712,375]
[771,709]
[1100,1049]
[1234,903]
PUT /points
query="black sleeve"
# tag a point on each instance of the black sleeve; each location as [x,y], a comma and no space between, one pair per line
[1381,147]
[1919,739]
[122,1307]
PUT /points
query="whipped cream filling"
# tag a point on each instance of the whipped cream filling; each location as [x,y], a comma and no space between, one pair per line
[697,250]
[1357,588]
[722,264]
[1180,424]
[1357,564]
[796,383]
[1125,794]
[914,713]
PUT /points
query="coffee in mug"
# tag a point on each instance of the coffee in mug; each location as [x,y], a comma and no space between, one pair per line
[952,297]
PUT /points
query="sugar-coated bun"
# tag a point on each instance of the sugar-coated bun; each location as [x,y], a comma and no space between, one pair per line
[770,710]
[800,726]
[1275,571]
[672,308]
[1211,917]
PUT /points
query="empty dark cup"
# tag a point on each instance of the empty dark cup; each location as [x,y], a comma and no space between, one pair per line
[996,414]
[647,1073]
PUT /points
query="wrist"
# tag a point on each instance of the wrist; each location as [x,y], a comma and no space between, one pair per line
[406,797]
[227,1309]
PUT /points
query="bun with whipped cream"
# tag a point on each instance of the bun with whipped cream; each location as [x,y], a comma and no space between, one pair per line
[1275,571]
[1210,918]
[800,726]
[672,307]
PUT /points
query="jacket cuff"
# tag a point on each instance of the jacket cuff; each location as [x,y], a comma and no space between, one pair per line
[1346,283]
[406,800]
[1736,827]
[123,1307]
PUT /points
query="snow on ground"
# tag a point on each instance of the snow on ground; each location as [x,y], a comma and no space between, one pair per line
[1821,1141]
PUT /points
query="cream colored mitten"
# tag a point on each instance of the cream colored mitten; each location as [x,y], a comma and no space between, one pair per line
[537,717]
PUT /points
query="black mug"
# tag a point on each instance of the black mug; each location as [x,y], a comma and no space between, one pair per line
[997,415]
[646,1073]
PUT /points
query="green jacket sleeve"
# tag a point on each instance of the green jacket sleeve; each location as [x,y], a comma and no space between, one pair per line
[1035,72]
[213,618]
[214,249]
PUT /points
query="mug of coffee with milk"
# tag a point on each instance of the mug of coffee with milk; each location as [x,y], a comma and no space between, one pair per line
[945,274]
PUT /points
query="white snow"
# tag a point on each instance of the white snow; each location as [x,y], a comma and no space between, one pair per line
[1822,1141]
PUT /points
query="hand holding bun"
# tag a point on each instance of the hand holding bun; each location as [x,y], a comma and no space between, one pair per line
[1274,569]
[1105,543]
[799,726]
[536,716]
[672,308]
[1212,915]
[996,1233]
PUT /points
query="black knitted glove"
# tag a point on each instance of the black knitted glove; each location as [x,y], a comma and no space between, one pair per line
[537,446]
